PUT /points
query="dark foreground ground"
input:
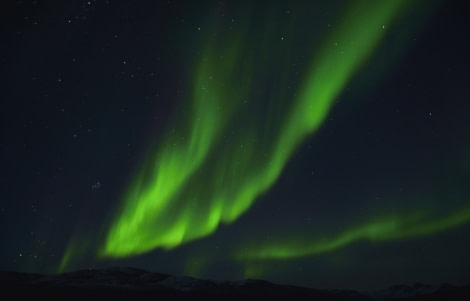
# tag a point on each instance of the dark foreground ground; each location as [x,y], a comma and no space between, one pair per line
[136,284]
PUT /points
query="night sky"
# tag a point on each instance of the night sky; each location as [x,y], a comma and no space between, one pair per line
[315,143]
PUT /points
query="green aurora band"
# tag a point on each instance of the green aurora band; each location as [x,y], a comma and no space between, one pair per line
[222,155]
[389,228]
[188,189]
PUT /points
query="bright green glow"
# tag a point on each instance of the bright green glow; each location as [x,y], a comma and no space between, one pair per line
[154,214]
[206,174]
[387,229]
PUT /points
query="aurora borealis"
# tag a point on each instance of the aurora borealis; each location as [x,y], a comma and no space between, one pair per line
[381,229]
[232,140]
[169,204]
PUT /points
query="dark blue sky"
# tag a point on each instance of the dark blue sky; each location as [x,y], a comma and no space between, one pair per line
[89,88]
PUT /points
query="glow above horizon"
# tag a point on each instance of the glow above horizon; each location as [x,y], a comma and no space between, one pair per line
[188,189]
[221,154]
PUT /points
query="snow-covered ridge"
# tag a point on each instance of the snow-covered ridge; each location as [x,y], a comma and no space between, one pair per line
[124,281]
